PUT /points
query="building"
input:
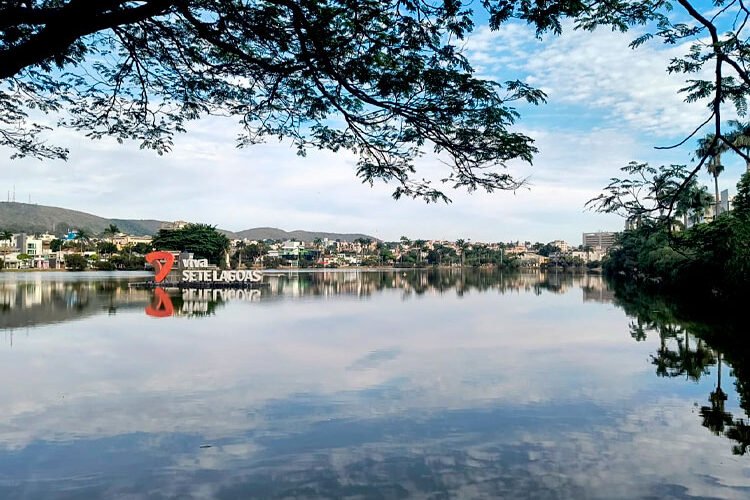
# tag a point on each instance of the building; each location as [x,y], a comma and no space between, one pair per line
[532,260]
[125,240]
[562,245]
[171,226]
[516,249]
[725,202]
[29,244]
[600,240]
[590,256]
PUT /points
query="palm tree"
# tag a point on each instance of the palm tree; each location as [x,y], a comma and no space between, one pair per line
[707,148]
[364,246]
[461,244]
[8,237]
[111,230]
[405,244]
[318,244]
[739,136]
[84,237]
[694,362]
[715,418]
[692,203]
[715,168]
[240,246]
[420,248]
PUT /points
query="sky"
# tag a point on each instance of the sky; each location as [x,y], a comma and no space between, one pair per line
[607,105]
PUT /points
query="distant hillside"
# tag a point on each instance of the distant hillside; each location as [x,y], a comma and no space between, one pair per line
[24,217]
[272,233]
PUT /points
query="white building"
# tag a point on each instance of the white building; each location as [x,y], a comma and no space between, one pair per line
[600,240]
[562,245]
[30,245]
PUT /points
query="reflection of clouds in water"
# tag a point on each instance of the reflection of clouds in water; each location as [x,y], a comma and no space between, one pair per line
[374,358]
[657,450]
[182,377]
[650,452]
[476,395]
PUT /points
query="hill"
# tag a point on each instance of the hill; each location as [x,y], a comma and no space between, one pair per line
[272,233]
[30,218]
[25,217]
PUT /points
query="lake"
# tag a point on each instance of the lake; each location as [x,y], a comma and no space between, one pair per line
[346,384]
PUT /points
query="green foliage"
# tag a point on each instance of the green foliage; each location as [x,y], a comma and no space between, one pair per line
[246,254]
[56,245]
[741,203]
[548,249]
[128,262]
[203,240]
[657,194]
[83,237]
[708,258]
[272,262]
[111,230]
[76,262]
[385,79]
[253,251]
[103,265]
[106,247]
[142,248]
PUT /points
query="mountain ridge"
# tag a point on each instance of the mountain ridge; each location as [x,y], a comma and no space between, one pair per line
[33,218]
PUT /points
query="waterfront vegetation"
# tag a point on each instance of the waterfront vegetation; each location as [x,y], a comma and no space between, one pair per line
[667,246]
[112,250]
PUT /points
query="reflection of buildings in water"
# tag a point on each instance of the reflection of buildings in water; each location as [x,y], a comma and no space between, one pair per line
[27,304]
[324,283]
[8,296]
[30,303]
[421,281]
[595,289]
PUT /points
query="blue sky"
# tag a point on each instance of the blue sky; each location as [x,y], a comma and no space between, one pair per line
[607,105]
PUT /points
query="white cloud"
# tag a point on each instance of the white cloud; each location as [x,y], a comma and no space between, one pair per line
[595,70]
[608,105]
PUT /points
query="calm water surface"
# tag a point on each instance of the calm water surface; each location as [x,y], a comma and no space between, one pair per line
[360,385]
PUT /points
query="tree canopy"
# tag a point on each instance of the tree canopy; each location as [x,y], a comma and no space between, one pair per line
[203,240]
[385,79]
[379,78]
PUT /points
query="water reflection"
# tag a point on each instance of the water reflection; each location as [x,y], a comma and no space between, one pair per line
[30,302]
[371,385]
[429,281]
[34,299]
[692,339]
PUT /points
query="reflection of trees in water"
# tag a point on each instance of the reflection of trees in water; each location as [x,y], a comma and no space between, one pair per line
[420,282]
[693,338]
[31,303]
[676,356]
